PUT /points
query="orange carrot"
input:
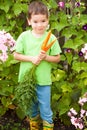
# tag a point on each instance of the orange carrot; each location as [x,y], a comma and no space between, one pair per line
[46,40]
[46,48]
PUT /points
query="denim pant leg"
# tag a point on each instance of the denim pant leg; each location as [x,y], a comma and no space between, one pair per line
[43,95]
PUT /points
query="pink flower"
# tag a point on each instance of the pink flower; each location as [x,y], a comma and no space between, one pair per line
[7,44]
[82,113]
[82,101]
[73,111]
[3,57]
[84,51]
[61,4]
[69,114]
[77,122]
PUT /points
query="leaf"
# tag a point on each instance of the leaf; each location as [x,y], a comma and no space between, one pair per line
[85,106]
[68,32]
[73,44]
[20,113]
[5,5]
[69,58]
[83,75]
[79,66]
[64,104]
[12,106]
[68,44]
[78,42]
[5,89]
[66,88]
[18,8]
[56,97]
[57,75]
[2,110]
[6,101]
[83,19]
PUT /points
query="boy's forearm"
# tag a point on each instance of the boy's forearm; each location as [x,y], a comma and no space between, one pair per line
[54,59]
[26,58]
[22,57]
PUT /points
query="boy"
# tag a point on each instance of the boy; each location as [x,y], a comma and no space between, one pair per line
[28,52]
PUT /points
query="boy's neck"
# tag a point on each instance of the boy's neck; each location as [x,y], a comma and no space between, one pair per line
[36,34]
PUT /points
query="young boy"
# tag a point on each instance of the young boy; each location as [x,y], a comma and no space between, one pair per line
[28,52]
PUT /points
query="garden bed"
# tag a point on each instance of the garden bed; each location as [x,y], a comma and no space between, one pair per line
[10,121]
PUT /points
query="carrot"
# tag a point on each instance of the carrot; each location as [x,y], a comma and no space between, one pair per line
[46,40]
[49,46]
[44,46]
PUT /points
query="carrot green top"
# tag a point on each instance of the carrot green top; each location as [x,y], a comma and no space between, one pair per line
[27,44]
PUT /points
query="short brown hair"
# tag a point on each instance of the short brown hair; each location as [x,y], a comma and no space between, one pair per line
[37,7]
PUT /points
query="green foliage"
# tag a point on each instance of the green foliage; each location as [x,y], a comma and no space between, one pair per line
[25,92]
[70,76]
[13,16]
[8,80]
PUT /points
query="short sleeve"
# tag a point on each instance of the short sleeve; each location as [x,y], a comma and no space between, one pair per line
[55,49]
[19,44]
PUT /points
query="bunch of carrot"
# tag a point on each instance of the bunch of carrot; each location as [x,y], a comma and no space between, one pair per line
[25,92]
[46,47]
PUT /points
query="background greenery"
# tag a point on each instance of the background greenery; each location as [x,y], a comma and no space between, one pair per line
[70,75]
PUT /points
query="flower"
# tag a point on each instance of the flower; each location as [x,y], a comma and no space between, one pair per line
[68,50]
[82,101]
[79,119]
[61,4]
[7,44]
[84,27]
[84,51]
[80,53]
[77,122]
[77,4]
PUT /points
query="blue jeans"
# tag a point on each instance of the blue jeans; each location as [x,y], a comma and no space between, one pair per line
[42,105]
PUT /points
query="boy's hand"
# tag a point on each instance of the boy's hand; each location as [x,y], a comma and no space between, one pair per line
[42,55]
[36,60]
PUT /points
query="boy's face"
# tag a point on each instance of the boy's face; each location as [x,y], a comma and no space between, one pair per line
[39,23]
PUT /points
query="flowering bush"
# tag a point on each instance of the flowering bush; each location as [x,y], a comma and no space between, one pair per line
[79,119]
[7,44]
[8,71]
[70,76]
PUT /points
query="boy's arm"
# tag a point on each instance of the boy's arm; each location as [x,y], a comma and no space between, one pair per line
[25,58]
[54,59]
[49,58]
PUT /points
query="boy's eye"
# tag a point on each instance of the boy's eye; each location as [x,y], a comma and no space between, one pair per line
[35,21]
[43,21]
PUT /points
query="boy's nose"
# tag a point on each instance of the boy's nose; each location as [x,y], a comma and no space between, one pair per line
[39,24]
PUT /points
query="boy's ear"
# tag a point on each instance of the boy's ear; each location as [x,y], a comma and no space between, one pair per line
[28,21]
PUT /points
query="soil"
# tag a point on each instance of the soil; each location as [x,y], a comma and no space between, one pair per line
[10,121]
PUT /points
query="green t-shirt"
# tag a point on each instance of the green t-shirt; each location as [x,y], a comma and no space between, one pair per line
[27,44]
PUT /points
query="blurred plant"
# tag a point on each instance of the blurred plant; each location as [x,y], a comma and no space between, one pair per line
[7,44]
[8,71]
[79,119]
[70,75]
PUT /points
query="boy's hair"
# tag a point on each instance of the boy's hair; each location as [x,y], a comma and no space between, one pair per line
[37,7]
